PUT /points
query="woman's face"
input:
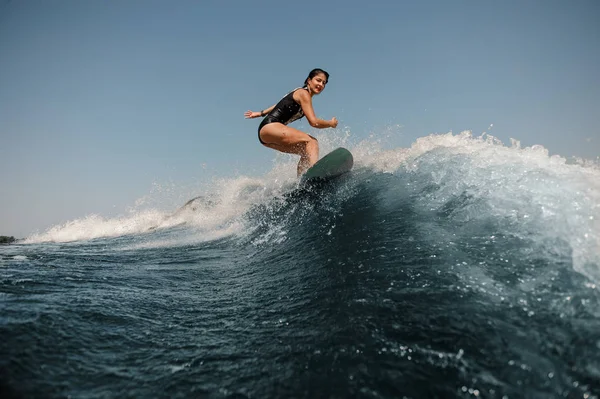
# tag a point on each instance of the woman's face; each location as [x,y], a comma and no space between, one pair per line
[317,83]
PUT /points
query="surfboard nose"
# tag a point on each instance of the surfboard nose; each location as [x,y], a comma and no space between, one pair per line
[335,163]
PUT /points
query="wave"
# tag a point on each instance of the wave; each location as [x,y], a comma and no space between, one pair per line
[460,188]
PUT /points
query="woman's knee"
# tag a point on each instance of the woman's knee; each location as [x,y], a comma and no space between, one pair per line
[311,146]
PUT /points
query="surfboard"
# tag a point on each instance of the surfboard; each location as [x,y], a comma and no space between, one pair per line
[334,164]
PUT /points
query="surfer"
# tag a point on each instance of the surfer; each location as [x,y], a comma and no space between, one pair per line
[274,131]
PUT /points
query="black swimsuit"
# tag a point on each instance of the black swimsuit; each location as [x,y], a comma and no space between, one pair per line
[286,111]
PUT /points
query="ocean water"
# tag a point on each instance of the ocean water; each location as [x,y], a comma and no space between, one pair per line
[460,267]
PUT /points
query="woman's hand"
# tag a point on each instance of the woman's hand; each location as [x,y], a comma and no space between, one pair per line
[333,122]
[249,114]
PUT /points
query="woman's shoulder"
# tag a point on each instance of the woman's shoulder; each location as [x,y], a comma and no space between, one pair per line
[300,93]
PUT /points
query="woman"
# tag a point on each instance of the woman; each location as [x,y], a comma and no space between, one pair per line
[273,131]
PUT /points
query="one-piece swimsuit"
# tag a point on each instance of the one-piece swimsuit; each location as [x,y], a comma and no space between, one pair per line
[286,111]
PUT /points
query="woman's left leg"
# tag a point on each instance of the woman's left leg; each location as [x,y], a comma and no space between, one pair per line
[309,153]
[291,141]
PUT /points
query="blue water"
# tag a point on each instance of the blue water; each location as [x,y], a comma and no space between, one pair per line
[457,268]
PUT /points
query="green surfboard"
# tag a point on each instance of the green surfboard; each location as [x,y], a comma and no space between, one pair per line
[337,162]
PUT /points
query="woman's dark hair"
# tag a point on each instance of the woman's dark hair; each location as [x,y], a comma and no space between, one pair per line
[314,73]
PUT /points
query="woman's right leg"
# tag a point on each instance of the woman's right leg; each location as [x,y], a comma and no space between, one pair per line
[291,141]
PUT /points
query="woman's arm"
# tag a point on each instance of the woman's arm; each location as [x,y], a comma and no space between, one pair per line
[305,101]
[249,114]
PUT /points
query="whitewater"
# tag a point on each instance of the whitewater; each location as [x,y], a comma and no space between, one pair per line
[458,267]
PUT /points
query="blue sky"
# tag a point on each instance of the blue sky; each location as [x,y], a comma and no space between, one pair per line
[99,100]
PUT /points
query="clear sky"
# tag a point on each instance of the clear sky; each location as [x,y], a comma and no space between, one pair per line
[101,100]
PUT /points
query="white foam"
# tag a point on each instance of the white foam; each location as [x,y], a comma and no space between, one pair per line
[215,215]
[95,226]
[545,196]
